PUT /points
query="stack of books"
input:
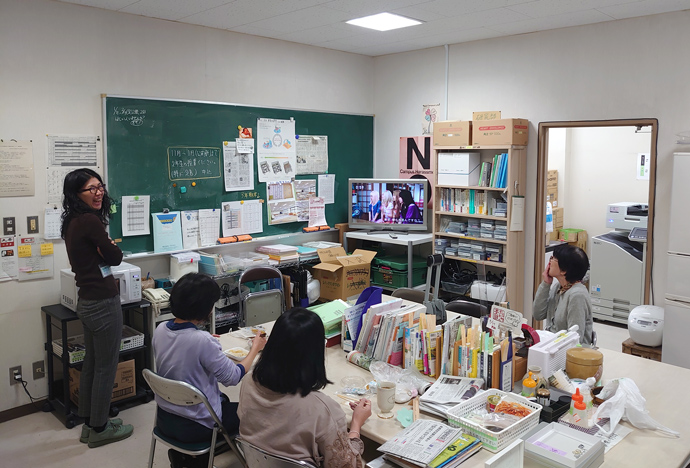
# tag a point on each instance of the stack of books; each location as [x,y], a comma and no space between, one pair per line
[331,314]
[281,253]
[430,444]
[307,253]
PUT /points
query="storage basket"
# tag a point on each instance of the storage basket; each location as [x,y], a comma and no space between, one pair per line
[131,338]
[396,278]
[494,441]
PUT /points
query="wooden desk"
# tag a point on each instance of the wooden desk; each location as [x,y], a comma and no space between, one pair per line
[663,386]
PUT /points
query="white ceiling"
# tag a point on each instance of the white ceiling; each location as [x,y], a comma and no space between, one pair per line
[321,23]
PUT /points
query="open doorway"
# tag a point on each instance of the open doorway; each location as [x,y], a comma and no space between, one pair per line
[601,166]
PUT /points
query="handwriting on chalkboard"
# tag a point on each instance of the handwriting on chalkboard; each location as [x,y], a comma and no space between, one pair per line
[193,162]
[135,117]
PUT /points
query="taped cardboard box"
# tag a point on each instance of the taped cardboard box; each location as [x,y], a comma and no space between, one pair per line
[552,196]
[124,386]
[453,133]
[558,218]
[500,132]
[552,179]
[341,275]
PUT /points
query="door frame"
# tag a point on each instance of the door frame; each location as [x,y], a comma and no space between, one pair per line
[542,168]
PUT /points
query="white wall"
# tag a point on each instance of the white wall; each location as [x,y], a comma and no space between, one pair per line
[558,151]
[615,70]
[58,58]
[602,170]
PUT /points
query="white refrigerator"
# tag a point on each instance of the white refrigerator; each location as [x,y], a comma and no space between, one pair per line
[675,348]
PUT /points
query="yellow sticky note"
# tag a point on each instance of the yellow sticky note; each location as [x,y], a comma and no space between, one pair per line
[47,248]
[24,251]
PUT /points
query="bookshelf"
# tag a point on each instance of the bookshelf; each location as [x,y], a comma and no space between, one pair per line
[466,216]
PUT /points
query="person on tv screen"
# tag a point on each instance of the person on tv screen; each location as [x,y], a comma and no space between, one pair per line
[387,206]
[410,212]
[375,207]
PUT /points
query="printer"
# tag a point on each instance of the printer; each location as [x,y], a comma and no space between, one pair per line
[624,216]
[617,262]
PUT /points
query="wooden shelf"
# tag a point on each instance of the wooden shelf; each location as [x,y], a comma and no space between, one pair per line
[513,260]
[478,262]
[491,189]
[478,147]
[467,215]
[460,236]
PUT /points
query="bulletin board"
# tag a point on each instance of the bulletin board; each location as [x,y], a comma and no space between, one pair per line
[139,132]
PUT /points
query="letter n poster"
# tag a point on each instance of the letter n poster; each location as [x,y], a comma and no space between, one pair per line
[417,161]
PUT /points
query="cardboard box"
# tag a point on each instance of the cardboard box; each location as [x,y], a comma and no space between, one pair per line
[552,236]
[570,235]
[453,133]
[552,196]
[500,132]
[343,228]
[519,368]
[581,240]
[460,169]
[124,386]
[552,179]
[557,218]
[486,115]
[341,275]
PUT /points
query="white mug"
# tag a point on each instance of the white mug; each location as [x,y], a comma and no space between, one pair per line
[385,398]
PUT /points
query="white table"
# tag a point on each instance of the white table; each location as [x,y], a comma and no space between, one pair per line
[409,240]
[663,386]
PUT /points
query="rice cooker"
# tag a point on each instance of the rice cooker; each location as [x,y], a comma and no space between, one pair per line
[646,325]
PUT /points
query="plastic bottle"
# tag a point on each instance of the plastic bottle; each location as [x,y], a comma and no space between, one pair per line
[577,398]
[529,386]
[580,415]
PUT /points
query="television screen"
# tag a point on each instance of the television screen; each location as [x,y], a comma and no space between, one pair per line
[387,204]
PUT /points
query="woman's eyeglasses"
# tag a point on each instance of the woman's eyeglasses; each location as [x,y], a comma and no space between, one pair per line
[94,190]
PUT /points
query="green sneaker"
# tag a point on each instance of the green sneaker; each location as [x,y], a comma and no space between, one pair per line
[112,433]
[86,430]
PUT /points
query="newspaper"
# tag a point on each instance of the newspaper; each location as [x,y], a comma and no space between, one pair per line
[421,442]
[448,391]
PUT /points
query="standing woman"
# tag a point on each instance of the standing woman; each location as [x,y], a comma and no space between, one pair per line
[91,253]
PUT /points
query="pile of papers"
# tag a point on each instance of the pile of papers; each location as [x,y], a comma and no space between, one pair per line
[448,391]
[331,314]
[281,253]
[430,444]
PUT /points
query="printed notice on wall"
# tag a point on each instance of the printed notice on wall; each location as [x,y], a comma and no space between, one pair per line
[317,212]
[53,222]
[238,165]
[327,187]
[66,153]
[209,227]
[304,190]
[35,258]
[8,258]
[16,169]
[135,215]
[241,217]
[312,154]
[190,229]
[275,149]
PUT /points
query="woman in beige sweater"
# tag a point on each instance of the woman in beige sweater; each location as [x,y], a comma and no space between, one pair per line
[281,409]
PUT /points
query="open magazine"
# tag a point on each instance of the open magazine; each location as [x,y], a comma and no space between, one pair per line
[448,391]
[430,444]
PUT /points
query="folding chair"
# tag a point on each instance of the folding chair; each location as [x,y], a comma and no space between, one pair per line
[259,458]
[409,294]
[184,394]
[262,306]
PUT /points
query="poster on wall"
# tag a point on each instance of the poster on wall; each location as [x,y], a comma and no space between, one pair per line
[430,113]
[417,161]
[276,156]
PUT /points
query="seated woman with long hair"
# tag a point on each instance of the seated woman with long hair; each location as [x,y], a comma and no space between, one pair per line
[281,407]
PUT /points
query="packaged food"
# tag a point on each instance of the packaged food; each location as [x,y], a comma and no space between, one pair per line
[236,353]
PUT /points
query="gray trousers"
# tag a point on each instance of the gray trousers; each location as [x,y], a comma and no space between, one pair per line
[102,320]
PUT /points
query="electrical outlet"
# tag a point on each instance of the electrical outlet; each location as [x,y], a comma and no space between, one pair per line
[39,369]
[14,371]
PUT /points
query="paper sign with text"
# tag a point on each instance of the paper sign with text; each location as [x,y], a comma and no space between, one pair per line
[505,319]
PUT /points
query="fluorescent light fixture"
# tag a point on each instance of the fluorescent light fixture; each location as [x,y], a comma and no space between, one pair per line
[384,22]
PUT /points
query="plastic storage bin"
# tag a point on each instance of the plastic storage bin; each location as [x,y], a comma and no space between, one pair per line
[392,271]
[494,441]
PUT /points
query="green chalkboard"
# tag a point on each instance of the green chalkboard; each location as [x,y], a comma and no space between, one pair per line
[145,138]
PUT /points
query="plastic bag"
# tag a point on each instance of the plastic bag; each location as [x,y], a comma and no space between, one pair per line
[408,382]
[623,400]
